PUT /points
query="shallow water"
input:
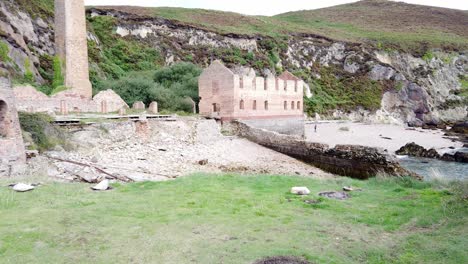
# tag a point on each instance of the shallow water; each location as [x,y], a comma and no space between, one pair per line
[432,168]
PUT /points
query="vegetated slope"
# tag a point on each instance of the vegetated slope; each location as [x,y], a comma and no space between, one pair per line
[382,22]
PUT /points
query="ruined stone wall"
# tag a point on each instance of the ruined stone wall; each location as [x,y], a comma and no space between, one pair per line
[71,42]
[347,160]
[11,140]
[28,99]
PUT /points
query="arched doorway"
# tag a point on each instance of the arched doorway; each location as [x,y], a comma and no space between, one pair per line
[4,122]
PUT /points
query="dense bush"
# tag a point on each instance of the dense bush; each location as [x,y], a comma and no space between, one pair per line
[120,56]
[44,135]
[169,86]
[338,90]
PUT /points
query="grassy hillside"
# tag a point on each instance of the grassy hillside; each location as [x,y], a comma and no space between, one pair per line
[381,22]
[41,8]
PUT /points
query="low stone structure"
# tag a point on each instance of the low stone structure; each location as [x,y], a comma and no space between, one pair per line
[228,96]
[12,150]
[139,105]
[153,108]
[112,100]
[28,99]
[348,160]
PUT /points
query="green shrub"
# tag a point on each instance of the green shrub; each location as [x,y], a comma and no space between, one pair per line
[338,90]
[58,79]
[28,75]
[44,135]
[428,56]
[4,52]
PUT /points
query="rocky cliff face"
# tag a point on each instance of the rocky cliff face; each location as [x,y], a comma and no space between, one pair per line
[26,43]
[412,89]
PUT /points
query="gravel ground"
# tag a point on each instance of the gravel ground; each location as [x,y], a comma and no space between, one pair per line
[170,150]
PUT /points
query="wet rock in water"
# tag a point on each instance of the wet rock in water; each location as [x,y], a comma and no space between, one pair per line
[22,187]
[457,157]
[335,195]
[415,150]
[203,162]
[102,186]
[300,190]
[282,260]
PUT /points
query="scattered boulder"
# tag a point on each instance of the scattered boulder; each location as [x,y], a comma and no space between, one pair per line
[335,195]
[102,186]
[461,128]
[203,162]
[415,150]
[300,190]
[22,187]
[348,189]
[282,260]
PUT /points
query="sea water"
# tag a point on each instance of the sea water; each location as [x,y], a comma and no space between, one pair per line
[433,168]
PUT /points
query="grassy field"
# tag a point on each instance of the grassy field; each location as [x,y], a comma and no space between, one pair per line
[233,219]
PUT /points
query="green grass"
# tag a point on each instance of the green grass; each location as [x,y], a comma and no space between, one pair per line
[233,219]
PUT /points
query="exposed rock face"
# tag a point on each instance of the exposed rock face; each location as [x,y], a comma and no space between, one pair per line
[461,128]
[413,149]
[348,160]
[27,39]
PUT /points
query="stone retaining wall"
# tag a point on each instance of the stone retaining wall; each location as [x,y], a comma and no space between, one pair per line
[347,160]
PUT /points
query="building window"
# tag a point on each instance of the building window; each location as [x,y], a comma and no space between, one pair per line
[266,105]
[298,105]
[241,82]
[295,86]
[285,85]
[254,83]
[292,105]
[215,108]
[277,84]
[241,104]
[265,85]
[285,105]
[215,86]
[254,106]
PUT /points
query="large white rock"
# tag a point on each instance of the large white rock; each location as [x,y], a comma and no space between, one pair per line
[22,187]
[300,190]
[102,186]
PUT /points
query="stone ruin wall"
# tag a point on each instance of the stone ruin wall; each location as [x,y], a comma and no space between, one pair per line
[347,160]
[12,150]
[28,99]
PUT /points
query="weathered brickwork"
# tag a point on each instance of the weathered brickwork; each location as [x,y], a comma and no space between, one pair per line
[11,141]
[348,160]
[71,45]
[28,99]
[228,96]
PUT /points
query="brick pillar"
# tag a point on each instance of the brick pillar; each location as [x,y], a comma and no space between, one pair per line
[104,107]
[153,108]
[63,107]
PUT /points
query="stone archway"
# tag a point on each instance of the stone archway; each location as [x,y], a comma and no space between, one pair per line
[4,120]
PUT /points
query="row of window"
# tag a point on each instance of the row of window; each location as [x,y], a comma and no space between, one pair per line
[294,105]
[265,84]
